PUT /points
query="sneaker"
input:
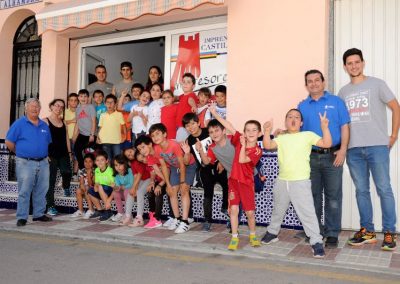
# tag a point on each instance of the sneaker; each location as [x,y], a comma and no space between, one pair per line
[52,211]
[362,237]
[206,227]
[126,220]
[269,238]
[233,244]
[331,242]
[182,228]
[21,222]
[117,217]
[153,223]
[107,214]
[318,250]
[43,218]
[88,214]
[96,214]
[389,241]
[77,214]
[67,192]
[254,242]
[168,222]
[137,222]
[190,220]
[174,224]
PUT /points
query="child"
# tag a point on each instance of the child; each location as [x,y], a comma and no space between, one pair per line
[204,114]
[103,187]
[139,116]
[110,128]
[208,174]
[187,103]
[241,179]
[293,183]
[123,184]
[136,90]
[178,175]
[85,128]
[168,113]
[127,136]
[70,121]
[155,106]
[220,98]
[86,182]
[98,97]
[125,84]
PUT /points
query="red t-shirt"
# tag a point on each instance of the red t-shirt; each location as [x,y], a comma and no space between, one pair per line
[184,107]
[244,173]
[140,168]
[153,161]
[171,154]
[168,118]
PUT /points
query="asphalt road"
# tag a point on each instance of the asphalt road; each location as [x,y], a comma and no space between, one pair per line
[26,258]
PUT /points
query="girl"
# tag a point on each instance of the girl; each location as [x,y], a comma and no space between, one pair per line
[168,113]
[86,181]
[139,116]
[123,184]
[155,76]
[155,106]
[60,154]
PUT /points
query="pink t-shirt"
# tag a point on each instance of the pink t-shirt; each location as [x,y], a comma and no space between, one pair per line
[171,154]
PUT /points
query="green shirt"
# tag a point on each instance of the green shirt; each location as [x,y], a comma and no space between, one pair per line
[104,178]
[294,154]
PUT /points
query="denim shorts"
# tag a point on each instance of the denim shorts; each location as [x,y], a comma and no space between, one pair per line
[174,177]
[107,189]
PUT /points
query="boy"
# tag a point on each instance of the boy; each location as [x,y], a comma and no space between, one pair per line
[136,90]
[220,98]
[125,84]
[103,187]
[110,126]
[70,121]
[98,97]
[204,114]
[293,183]
[85,128]
[208,174]
[179,176]
[187,103]
[241,179]
[101,83]
[168,113]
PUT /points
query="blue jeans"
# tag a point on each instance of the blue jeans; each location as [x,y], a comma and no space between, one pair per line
[326,180]
[33,178]
[112,150]
[374,159]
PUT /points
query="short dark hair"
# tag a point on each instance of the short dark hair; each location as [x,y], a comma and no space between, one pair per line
[313,71]
[168,91]
[100,66]
[188,117]
[98,92]
[295,109]
[158,126]
[215,123]
[111,96]
[220,89]
[190,75]
[72,95]
[255,122]
[126,64]
[205,91]
[83,92]
[350,52]
[89,156]
[139,86]
[122,160]
[143,139]
[102,153]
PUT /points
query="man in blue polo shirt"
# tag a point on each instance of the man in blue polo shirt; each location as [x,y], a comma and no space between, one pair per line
[29,138]
[326,164]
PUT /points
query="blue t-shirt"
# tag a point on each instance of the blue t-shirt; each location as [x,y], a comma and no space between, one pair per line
[99,110]
[128,106]
[336,112]
[30,141]
[126,180]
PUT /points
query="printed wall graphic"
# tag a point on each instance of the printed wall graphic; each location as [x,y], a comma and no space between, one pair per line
[204,54]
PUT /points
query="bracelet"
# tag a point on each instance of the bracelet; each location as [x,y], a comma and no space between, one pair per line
[182,182]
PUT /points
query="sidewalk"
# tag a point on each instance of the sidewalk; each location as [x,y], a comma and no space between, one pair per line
[289,248]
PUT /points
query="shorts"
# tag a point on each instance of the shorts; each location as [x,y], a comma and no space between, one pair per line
[107,189]
[175,177]
[241,193]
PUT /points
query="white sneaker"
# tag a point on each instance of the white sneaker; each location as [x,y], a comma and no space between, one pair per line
[168,222]
[77,214]
[182,228]
[174,224]
[190,220]
[88,214]
[117,217]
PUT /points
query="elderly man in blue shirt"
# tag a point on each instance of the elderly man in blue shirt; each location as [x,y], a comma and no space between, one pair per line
[29,138]
[326,164]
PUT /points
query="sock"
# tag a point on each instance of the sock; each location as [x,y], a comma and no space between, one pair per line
[235,235]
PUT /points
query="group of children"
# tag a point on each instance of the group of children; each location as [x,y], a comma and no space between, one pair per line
[155,146]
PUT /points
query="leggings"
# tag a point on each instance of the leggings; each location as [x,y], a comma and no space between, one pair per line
[63,164]
[141,192]
[124,195]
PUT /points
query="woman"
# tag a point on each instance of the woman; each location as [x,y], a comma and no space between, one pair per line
[60,154]
[155,76]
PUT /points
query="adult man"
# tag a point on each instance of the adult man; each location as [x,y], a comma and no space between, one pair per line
[366,99]
[125,85]
[101,83]
[326,164]
[28,138]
